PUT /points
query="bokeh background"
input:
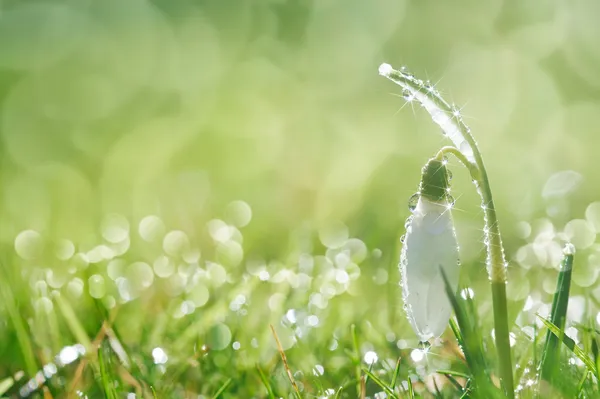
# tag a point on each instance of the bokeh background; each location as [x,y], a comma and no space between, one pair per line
[210,167]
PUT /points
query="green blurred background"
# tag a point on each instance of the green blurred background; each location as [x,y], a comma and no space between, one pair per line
[129,108]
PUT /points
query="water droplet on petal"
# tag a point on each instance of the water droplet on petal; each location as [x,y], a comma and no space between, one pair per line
[412,202]
[403,238]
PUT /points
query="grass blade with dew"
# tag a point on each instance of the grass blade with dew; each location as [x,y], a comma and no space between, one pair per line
[265,382]
[222,388]
[471,344]
[582,383]
[10,304]
[449,118]
[107,379]
[570,343]
[396,373]
[411,390]
[285,364]
[356,358]
[389,390]
[551,354]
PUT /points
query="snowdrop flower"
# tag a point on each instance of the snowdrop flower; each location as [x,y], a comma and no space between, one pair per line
[429,244]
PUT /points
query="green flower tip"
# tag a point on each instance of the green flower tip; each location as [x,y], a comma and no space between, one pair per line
[434,180]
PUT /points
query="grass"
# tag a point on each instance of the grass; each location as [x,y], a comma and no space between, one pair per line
[315,321]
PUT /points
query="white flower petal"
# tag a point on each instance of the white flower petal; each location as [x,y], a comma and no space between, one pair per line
[430,242]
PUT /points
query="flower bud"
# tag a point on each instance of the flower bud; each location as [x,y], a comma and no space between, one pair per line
[429,246]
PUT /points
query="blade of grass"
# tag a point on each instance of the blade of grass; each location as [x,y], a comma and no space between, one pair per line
[438,393]
[396,372]
[411,391]
[106,377]
[370,369]
[338,394]
[551,354]
[356,358]
[73,322]
[285,363]
[453,373]
[569,343]
[6,384]
[222,389]
[363,387]
[23,336]
[456,384]
[378,381]
[464,330]
[265,382]
[581,383]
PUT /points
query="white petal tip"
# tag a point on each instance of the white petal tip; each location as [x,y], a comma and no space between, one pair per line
[385,70]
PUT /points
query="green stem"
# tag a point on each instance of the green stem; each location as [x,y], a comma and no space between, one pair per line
[495,262]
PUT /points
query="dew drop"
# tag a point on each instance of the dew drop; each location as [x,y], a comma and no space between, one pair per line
[413,201]
[199,295]
[163,267]
[450,200]
[115,228]
[334,235]
[569,249]
[115,268]
[385,70]
[455,111]
[449,174]
[96,286]
[424,345]
[175,243]
[28,244]
[403,238]
[408,95]
[139,275]
[408,222]
[239,213]
[219,337]
[64,249]
[370,357]
[151,228]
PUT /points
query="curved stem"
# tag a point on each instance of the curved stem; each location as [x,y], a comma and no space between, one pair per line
[467,151]
[461,157]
